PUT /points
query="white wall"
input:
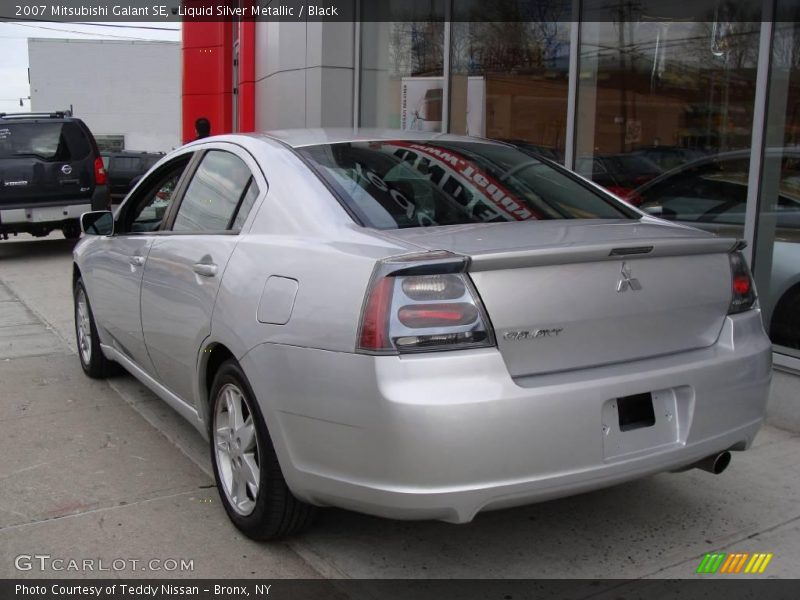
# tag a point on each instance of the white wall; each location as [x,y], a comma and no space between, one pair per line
[116,87]
[304,75]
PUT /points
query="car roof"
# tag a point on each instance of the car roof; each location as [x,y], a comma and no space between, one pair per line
[297,138]
[135,153]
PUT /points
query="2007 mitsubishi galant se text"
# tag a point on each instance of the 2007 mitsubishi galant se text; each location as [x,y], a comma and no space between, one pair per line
[417,326]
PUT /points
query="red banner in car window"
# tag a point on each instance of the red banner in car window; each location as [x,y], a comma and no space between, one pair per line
[492,193]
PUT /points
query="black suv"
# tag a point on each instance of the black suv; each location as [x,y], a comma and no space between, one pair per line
[125,168]
[50,173]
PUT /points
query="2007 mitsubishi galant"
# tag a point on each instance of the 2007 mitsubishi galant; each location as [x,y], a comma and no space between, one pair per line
[417,326]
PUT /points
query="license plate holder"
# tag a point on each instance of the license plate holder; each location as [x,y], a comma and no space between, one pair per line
[636,411]
[646,422]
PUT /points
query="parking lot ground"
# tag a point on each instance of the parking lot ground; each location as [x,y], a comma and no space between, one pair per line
[103,469]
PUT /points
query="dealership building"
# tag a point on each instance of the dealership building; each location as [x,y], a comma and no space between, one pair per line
[127,92]
[695,120]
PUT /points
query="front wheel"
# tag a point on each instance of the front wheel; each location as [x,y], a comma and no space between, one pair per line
[93,361]
[249,479]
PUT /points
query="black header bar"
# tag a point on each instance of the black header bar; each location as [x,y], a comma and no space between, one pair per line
[176,11]
[708,587]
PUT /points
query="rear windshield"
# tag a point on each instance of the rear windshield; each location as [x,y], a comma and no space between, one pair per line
[400,184]
[59,141]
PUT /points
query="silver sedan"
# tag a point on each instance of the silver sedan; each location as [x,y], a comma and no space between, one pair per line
[417,326]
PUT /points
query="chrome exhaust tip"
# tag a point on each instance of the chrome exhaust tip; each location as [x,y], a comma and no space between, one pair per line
[716,463]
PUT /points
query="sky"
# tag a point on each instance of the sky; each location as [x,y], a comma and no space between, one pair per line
[14,49]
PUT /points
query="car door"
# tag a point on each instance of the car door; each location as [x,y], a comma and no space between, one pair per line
[115,266]
[185,265]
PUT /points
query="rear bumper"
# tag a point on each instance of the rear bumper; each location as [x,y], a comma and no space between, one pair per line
[446,435]
[41,215]
[53,211]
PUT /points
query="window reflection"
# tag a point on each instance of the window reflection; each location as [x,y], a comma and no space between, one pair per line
[401,74]
[656,94]
[777,237]
[509,80]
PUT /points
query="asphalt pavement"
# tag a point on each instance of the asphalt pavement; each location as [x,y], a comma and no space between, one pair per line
[103,471]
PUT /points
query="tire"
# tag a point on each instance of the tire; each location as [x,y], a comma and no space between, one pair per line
[93,361]
[785,326]
[71,229]
[266,512]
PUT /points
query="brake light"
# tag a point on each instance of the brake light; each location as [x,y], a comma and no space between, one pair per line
[437,315]
[742,288]
[100,177]
[376,316]
[412,308]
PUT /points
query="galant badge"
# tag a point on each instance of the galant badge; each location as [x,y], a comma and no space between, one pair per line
[532,334]
[627,282]
[66,169]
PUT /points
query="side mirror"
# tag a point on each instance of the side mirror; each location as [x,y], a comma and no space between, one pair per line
[656,210]
[97,222]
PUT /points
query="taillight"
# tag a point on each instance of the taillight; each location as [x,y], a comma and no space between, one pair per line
[100,177]
[410,307]
[375,318]
[742,288]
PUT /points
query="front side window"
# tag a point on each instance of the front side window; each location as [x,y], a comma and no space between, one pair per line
[217,189]
[147,208]
[402,183]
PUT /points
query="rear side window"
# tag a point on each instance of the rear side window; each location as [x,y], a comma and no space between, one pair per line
[214,194]
[249,199]
[58,141]
[401,184]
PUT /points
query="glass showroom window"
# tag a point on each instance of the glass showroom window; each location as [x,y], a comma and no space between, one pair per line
[777,238]
[509,80]
[401,69]
[656,95]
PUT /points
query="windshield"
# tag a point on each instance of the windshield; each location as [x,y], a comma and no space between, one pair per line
[400,184]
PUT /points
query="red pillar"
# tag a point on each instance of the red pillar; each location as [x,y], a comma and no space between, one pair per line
[207,49]
[247,76]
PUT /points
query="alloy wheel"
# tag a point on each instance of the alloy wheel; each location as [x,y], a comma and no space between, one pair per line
[84,328]
[236,449]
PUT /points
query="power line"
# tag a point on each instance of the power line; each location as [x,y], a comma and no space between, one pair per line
[111,35]
[117,25]
[125,26]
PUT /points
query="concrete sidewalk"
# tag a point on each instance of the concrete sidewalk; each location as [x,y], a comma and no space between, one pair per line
[106,470]
[85,476]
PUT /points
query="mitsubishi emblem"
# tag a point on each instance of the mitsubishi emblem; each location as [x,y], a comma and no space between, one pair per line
[627,282]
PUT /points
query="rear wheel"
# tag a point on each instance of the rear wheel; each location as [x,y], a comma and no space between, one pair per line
[93,361]
[71,229]
[249,479]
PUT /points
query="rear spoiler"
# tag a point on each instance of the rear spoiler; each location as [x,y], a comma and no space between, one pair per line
[605,251]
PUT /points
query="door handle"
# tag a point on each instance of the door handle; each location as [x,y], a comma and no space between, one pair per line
[136,260]
[205,269]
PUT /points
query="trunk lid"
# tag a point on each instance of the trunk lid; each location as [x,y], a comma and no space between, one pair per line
[566,295]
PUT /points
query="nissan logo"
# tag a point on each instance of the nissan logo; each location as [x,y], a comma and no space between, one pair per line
[66,169]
